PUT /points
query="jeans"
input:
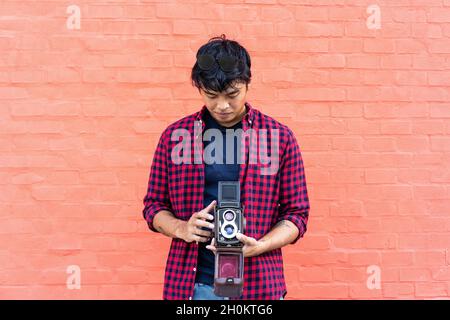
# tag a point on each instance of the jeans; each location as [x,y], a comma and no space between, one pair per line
[204,291]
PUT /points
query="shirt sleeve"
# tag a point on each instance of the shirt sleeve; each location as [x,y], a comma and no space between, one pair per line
[293,200]
[157,197]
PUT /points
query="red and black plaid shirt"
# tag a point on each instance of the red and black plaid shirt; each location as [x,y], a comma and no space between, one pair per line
[267,198]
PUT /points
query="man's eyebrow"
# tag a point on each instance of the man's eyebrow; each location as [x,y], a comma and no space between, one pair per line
[231,92]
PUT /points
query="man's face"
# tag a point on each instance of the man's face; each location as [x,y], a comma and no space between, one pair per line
[227,107]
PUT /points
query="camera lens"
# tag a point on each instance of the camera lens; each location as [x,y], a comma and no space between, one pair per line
[229,215]
[229,229]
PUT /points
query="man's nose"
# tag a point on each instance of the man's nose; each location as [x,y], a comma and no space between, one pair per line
[223,106]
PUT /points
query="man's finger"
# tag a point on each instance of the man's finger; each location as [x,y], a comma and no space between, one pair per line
[245,239]
[211,246]
[210,206]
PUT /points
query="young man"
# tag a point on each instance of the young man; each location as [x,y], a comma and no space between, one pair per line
[183,191]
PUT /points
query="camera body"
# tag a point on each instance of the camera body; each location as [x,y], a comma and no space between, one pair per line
[228,221]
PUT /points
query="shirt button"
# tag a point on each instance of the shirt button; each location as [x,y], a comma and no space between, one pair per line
[190,298]
[195,269]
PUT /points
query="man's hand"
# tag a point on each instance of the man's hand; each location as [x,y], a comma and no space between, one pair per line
[192,230]
[252,247]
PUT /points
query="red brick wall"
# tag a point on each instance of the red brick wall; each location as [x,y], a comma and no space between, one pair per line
[81,111]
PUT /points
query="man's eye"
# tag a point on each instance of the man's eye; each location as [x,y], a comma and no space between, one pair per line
[213,97]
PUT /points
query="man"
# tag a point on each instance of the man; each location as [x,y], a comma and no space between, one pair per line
[182,192]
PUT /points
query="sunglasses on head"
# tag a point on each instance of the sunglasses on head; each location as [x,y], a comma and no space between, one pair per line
[226,63]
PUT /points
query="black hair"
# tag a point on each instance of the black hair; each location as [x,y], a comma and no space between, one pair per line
[216,79]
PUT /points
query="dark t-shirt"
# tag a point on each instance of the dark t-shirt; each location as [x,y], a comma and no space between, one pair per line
[213,173]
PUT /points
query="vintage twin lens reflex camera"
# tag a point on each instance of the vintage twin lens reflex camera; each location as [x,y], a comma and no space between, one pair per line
[228,221]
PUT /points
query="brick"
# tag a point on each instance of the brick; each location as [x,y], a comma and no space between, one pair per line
[248,13]
[139,11]
[429,258]
[424,30]
[357,224]
[403,61]
[381,176]
[442,176]
[347,176]
[397,258]
[412,143]
[380,208]
[318,259]
[413,241]
[256,29]
[188,27]
[330,225]
[317,143]
[313,13]
[104,11]
[123,27]
[413,176]
[355,274]
[309,29]
[438,241]
[439,111]
[329,61]
[347,208]
[362,292]
[411,77]
[438,15]
[323,290]
[371,192]
[354,241]
[397,192]
[387,110]
[431,289]
[364,258]
[382,241]
[314,274]
[330,193]
[409,46]
[313,94]
[174,11]
[441,274]
[378,77]
[362,127]
[379,46]
[398,290]
[360,61]
[305,77]
[363,93]
[430,192]
[415,274]
[48,193]
[428,127]
[316,243]
[379,144]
